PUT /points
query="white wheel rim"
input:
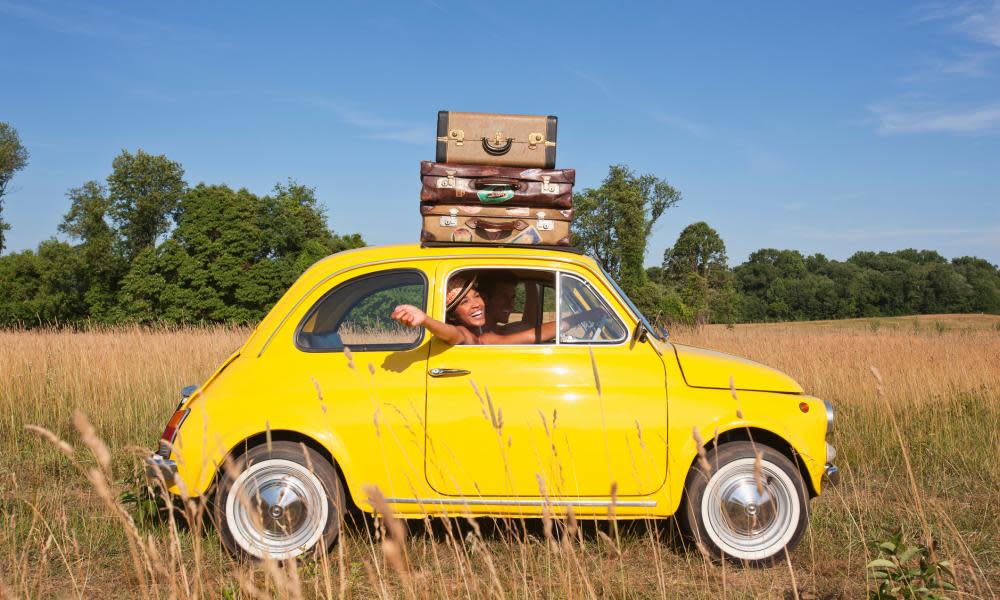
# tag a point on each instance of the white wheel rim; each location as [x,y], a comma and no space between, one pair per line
[743,522]
[276,509]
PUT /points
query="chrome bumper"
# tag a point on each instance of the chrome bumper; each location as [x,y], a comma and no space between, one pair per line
[831,474]
[161,470]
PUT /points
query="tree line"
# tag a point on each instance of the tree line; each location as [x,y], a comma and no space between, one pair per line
[695,284]
[142,246]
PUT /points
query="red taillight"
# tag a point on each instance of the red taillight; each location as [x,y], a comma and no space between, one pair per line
[804,407]
[174,424]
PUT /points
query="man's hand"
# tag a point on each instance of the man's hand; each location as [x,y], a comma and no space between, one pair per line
[409,315]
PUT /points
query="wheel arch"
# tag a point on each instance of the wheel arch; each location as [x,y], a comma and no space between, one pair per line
[286,435]
[764,437]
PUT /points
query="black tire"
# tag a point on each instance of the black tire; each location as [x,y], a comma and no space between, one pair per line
[750,528]
[279,503]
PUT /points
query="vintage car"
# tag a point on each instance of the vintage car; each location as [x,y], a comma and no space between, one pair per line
[330,403]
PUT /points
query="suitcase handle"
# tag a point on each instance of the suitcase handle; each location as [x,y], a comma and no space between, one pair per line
[498,182]
[494,230]
[492,150]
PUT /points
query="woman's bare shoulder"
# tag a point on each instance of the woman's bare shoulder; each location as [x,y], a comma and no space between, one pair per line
[468,338]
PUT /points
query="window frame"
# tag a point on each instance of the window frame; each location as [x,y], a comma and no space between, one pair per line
[611,311]
[557,289]
[394,347]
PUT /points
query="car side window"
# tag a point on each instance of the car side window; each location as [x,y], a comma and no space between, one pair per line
[585,318]
[356,313]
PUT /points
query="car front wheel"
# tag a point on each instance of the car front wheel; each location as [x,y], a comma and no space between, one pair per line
[279,502]
[736,513]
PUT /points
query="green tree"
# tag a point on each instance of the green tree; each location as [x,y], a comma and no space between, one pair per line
[42,288]
[99,247]
[696,266]
[295,234]
[945,290]
[984,278]
[613,221]
[13,158]
[230,257]
[698,249]
[144,191]
[20,276]
[655,274]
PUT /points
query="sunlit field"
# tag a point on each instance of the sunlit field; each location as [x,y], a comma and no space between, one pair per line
[918,434]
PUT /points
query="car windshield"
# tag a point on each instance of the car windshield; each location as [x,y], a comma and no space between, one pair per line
[659,334]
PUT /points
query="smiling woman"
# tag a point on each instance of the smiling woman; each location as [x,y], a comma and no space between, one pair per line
[477,316]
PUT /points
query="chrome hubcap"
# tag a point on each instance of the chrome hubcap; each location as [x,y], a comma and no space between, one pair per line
[744,509]
[277,509]
[747,520]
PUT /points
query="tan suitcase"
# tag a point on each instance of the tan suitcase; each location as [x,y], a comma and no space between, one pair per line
[495,225]
[493,139]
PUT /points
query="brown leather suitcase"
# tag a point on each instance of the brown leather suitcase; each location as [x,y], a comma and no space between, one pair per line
[455,223]
[447,183]
[494,139]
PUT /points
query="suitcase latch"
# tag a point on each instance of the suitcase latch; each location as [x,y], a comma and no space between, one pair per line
[457,136]
[451,220]
[534,139]
[448,181]
[547,186]
[543,224]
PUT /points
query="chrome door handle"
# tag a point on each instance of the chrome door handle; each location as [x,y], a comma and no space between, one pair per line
[448,372]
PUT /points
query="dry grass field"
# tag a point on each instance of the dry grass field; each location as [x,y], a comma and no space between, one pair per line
[920,452]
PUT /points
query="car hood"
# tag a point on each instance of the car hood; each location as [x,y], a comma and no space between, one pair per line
[709,369]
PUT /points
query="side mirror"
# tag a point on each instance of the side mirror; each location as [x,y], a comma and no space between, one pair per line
[640,332]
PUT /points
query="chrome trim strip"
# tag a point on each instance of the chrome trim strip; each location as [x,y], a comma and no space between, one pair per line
[508,502]
[558,299]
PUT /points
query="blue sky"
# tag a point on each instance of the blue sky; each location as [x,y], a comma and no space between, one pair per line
[826,128]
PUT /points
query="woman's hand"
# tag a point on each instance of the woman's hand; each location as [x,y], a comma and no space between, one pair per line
[586,316]
[409,315]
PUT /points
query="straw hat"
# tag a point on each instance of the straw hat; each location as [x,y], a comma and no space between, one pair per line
[458,287]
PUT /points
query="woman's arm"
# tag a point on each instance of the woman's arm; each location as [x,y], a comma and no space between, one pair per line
[541,333]
[411,316]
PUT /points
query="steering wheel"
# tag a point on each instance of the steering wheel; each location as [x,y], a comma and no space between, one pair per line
[592,330]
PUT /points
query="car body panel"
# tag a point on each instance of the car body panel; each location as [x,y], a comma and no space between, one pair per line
[372,413]
[710,369]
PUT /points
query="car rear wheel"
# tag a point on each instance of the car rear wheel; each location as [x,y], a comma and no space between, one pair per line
[734,516]
[279,502]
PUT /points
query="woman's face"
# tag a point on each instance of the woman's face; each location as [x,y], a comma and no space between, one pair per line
[471,310]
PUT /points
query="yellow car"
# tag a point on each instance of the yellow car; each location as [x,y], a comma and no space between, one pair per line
[331,403]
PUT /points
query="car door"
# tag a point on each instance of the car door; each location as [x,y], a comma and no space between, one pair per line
[564,419]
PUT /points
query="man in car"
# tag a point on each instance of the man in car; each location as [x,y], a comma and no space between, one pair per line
[500,290]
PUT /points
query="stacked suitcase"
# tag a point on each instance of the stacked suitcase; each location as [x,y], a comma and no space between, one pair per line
[494,182]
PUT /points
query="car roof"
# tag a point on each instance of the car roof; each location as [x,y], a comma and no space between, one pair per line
[388,253]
